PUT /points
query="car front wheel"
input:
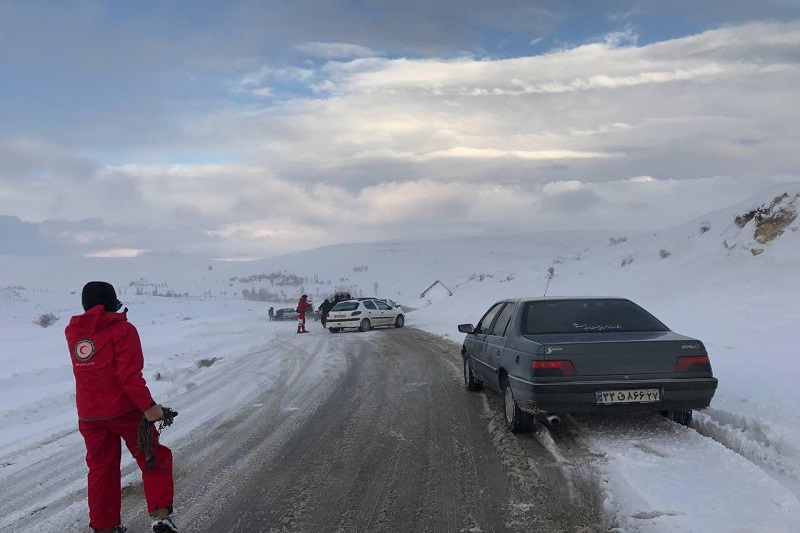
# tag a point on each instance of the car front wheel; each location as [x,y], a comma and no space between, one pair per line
[517,420]
[365,325]
[334,330]
[399,322]
[470,381]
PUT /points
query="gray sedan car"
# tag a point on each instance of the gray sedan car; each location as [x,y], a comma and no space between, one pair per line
[553,356]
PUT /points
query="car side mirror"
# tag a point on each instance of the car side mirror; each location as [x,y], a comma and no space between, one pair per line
[466,328]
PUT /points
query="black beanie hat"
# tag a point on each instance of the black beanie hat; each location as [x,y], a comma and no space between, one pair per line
[100,293]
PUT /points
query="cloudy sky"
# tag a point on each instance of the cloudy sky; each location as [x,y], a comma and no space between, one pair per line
[252,128]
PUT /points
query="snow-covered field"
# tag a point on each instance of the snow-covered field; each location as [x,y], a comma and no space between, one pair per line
[736,469]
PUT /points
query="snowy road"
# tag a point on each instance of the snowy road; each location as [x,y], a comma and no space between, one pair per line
[374,432]
[391,443]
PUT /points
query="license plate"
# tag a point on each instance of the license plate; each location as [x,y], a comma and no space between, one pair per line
[607,397]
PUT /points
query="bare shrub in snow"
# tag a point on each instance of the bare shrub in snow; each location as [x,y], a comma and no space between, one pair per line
[627,261]
[206,362]
[704,227]
[664,253]
[551,271]
[46,320]
[617,240]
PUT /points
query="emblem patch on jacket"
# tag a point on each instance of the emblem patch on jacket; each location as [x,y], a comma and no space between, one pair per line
[84,350]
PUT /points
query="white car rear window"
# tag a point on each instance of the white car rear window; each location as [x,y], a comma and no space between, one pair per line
[345,306]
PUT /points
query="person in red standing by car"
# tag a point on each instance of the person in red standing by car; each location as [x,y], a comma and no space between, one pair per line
[302,307]
[112,396]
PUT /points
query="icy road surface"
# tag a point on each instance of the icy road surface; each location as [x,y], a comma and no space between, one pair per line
[351,432]
[356,432]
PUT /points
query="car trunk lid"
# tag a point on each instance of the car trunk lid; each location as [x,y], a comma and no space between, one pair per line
[605,354]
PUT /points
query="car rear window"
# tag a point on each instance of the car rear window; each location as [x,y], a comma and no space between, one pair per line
[345,306]
[587,316]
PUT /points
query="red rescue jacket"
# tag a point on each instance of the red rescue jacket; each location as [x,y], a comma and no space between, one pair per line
[302,307]
[107,361]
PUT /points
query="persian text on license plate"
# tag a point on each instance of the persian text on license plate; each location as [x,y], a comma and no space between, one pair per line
[606,397]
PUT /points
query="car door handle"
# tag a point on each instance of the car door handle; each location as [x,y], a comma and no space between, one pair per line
[497,353]
[517,359]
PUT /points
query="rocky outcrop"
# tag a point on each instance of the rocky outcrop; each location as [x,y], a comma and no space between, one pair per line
[771,220]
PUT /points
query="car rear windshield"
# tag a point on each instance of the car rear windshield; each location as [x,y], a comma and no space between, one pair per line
[345,306]
[587,316]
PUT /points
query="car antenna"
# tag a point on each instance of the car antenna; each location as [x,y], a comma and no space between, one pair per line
[551,271]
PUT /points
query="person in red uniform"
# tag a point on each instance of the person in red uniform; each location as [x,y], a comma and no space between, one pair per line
[111,396]
[302,307]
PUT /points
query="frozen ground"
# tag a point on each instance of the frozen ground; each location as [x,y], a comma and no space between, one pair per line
[736,469]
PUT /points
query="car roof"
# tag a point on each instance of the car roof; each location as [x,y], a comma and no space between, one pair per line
[558,298]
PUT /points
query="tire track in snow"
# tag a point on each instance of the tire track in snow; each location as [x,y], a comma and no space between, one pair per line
[757,441]
[655,473]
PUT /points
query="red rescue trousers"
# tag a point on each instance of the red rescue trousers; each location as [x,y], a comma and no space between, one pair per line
[103,455]
[301,322]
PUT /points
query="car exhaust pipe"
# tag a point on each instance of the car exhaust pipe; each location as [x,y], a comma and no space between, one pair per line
[553,420]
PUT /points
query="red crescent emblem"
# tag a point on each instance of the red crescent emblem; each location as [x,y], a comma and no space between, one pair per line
[84,350]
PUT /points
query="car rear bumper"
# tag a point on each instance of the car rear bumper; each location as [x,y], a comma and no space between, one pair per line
[580,397]
[342,323]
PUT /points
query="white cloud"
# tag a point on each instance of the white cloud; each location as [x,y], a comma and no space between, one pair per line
[264,92]
[117,252]
[624,15]
[628,37]
[336,50]
[468,152]
[281,74]
[617,134]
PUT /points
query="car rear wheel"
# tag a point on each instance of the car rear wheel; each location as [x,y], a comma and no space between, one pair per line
[399,322]
[682,417]
[470,381]
[365,325]
[517,420]
[334,330]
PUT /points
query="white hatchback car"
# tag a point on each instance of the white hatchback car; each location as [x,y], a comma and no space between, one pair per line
[363,315]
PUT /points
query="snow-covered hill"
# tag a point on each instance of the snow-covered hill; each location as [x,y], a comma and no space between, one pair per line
[728,277]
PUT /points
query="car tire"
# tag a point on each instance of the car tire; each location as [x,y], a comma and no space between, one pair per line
[470,381]
[682,417]
[364,325]
[334,330]
[517,421]
[400,321]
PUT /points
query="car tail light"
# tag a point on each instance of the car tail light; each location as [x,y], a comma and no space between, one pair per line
[553,368]
[355,313]
[698,363]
